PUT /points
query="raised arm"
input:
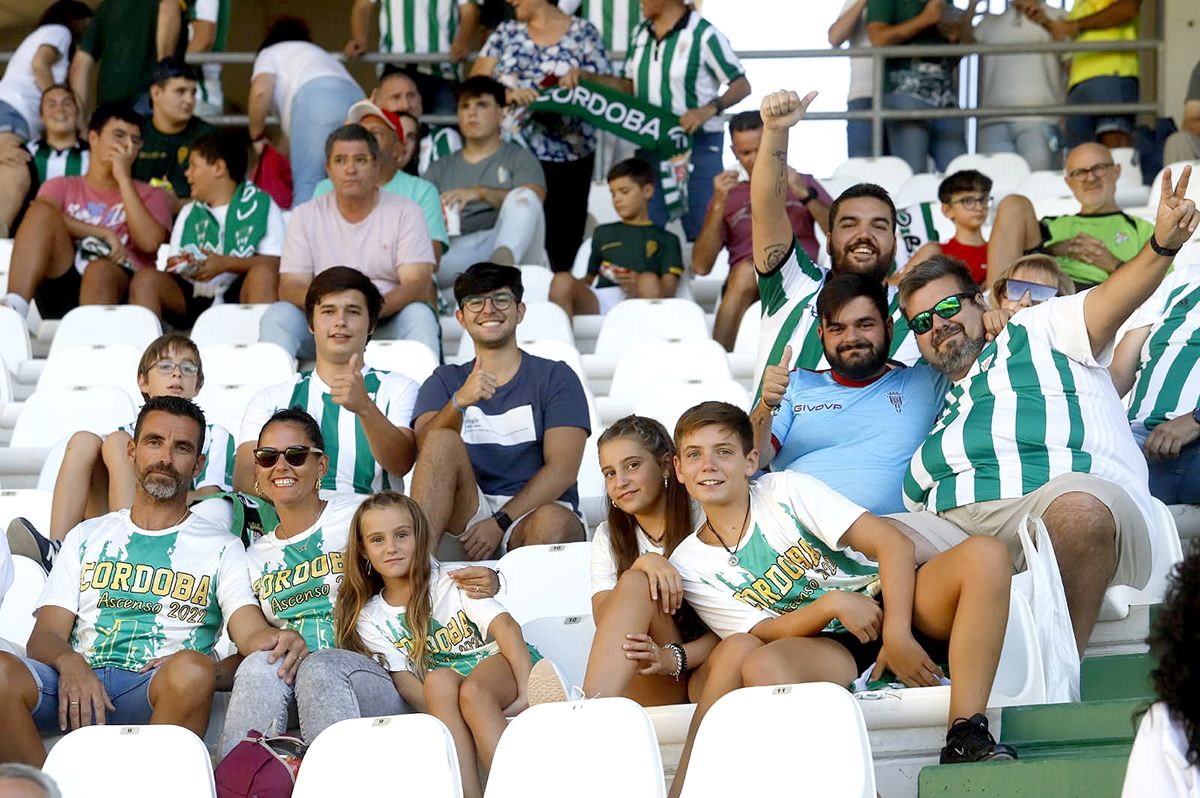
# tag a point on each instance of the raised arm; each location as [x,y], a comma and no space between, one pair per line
[769,184]
[843,27]
[883,35]
[170,24]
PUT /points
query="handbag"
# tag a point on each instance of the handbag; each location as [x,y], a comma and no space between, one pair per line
[260,767]
[1041,584]
[273,174]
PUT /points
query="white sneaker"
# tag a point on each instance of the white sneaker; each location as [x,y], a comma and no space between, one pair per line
[547,683]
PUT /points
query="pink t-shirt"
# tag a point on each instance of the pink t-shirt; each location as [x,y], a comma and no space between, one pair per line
[736,227]
[319,238]
[84,203]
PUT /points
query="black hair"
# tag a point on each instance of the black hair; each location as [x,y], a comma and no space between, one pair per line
[121,111]
[392,70]
[858,191]
[66,13]
[298,416]
[486,276]
[286,29]
[225,144]
[745,120]
[172,67]
[917,277]
[355,132]
[635,169]
[343,278]
[1173,641]
[480,86]
[843,287]
[175,406]
[962,181]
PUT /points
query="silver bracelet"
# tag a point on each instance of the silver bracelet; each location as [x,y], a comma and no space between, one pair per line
[680,659]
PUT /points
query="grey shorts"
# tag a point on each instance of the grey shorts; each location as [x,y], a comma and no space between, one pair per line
[1000,519]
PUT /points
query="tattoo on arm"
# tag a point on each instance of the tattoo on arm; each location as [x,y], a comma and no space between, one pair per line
[781,173]
[774,255]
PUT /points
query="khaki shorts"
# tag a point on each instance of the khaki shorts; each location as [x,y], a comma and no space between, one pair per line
[1001,517]
[449,547]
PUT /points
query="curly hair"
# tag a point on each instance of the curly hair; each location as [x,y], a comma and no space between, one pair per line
[1174,641]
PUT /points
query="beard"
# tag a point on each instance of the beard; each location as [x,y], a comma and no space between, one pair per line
[162,484]
[959,356]
[878,266]
[858,361]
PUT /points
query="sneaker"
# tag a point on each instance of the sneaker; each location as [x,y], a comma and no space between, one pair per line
[24,540]
[503,256]
[969,740]
[547,684]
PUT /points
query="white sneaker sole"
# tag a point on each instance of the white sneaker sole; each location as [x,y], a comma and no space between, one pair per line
[545,685]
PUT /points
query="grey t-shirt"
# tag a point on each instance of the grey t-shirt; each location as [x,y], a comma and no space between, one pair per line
[1193,92]
[508,167]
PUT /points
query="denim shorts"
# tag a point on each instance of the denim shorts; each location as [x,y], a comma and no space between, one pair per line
[129,692]
[11,121]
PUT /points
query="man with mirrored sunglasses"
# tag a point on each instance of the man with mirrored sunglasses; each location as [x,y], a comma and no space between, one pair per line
[1032,424]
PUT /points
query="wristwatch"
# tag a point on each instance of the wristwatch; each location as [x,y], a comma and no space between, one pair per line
[502,520]
[1196,415]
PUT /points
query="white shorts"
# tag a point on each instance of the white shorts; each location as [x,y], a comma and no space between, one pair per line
[608,297]
[450,549]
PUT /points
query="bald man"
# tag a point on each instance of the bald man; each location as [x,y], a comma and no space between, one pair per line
[1090,245]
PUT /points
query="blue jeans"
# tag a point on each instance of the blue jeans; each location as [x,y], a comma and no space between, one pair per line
[284,324]
[1103,89]
[128,690]
[1177,481]
[318,108]
[707,163]
[858,131]
[915,140]
[1036,142]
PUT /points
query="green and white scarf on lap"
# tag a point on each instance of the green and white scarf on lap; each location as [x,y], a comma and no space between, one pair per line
[245,225]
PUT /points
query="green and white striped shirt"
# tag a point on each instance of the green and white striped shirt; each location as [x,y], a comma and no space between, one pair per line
[421,26]
[789,316]
[617,20]
[49,163]
[1037,404]
[1168,382]
[437,143]
[686,69]
[352,465]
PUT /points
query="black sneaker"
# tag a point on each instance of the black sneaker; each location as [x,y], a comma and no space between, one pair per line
[970,741]
[24,540]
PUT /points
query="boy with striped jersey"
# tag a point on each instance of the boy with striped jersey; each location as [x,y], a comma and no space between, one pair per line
[364,414]
[862,239]
[1033,425]
[786,572]
[127,622]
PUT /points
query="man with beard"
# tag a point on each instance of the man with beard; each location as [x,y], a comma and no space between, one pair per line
[862,240]
[856,425]
[1033,425]
[127,622]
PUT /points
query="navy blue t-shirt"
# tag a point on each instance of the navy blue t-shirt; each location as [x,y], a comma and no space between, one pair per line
[504,434]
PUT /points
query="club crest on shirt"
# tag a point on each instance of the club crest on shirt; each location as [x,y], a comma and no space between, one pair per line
[897,400]
[651,248]
[1121,238]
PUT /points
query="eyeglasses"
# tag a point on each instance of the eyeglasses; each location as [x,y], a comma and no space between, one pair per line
[501,300]
[947,308]
[186,367]
[267,456]
[1098,171]
[973,202]
[1015,290]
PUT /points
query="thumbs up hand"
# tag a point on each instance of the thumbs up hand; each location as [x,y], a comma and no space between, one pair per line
[775,379]
[350,390]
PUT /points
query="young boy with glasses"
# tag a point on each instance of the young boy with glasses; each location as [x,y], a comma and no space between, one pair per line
[966,198]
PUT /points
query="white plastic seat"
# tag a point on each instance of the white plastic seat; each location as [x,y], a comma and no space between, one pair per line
[586,749]
[15,348]
[6,383]
[1193,190]
[566,639]
[887,171]
[170,760]
[580,264]
[16,611]
[50,415]
[706,288]
[48,474]
[635,320]
[1006,169]
[413,359]
[1166,551]
[917,189]
[226,404]
[648,362]
[535,282]
[590,482]
[542,321]
[417,745]
[745,345]
[1044,183]
[96,325]
[6,250]
[237,364]
[667,401]
[835,759]
[74,365]
[31,503]
[600,204]
[1131,189]
[228,324]
[547,580]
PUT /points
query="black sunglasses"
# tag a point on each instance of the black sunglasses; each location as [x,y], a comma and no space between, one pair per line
[947,308]
[267,456]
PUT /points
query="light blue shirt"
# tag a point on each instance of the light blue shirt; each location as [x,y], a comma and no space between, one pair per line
[856,438]
[417,189]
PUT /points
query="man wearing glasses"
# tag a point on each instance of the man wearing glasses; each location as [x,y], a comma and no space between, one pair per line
[1032,424]
[1090,245]
[499,438]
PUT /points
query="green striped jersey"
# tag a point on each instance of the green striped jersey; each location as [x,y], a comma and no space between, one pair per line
[296,578]
[218,451]
[789,316]
[352,466]
[49,163]
[1168,382]
[420,26]
[140,594]
[617,20]
[686,69]
[437,143]
[1035,405]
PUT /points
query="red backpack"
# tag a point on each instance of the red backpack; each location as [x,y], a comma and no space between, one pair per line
[260,767]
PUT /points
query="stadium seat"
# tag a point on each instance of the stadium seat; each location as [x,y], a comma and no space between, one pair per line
[540,581]
[228,324]
[413,754]
[542,321]
[566,640]
[1166,552]
[237,364]
[95,325]
[917,189]
[50,415]
[1132,191]
[226,404]
[580,264]
[1193,189]
[31,503]
[600,205]
[6,249]
[590,482]
[888,171]
[48,474]
[634,320]
[535,281]
[14,340]
[667,401]
[1006,169]
[834,756]
[413,359]
[6,383]
[586,749]
[76,365]
[745,345]
[16,609]
[706,288]
[646,364]
[170,760]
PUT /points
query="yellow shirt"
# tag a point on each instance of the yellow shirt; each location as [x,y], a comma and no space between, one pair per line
[1093,65]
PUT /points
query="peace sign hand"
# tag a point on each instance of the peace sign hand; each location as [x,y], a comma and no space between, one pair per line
[1177,217]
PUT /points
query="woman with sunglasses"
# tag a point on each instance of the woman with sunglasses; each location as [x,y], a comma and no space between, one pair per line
[1030,281]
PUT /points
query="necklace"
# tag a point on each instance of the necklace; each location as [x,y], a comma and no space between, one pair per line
[733,558]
